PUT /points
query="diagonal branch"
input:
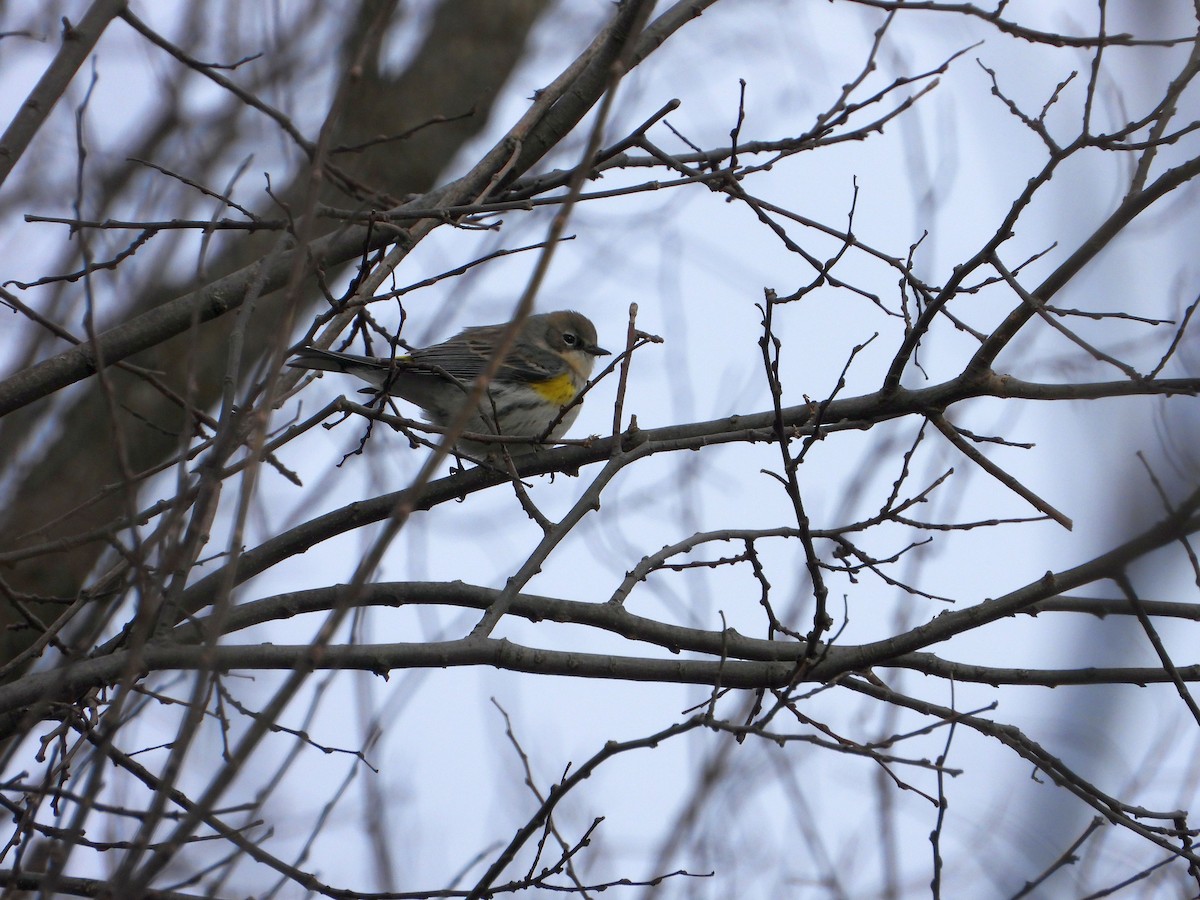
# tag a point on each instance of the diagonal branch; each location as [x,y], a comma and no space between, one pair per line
[77,42]
[964,446]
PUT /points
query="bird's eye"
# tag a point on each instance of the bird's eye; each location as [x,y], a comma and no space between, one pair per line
[570,339]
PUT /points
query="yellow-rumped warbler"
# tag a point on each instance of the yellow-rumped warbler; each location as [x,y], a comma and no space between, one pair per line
[547,366]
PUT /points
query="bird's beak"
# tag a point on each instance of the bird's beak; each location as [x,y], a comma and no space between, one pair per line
[598,351]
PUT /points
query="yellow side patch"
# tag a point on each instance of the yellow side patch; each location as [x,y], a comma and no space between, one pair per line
[559,390]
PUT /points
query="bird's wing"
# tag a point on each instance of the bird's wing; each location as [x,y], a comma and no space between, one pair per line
[467,354]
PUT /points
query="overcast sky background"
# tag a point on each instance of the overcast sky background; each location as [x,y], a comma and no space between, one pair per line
[697,267]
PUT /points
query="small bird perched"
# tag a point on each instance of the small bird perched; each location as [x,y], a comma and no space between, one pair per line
[545,369]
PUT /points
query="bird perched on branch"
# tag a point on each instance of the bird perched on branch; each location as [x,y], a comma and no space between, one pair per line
[531,396]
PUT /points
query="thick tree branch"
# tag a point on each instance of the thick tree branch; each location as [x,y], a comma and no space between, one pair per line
[77,42]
